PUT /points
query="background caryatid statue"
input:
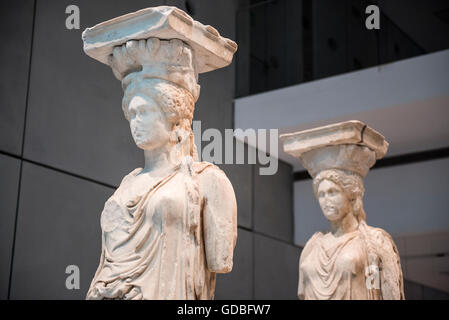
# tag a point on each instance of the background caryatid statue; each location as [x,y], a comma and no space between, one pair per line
[172,225]
[353,261]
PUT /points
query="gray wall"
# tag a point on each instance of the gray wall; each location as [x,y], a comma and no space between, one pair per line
[65,145]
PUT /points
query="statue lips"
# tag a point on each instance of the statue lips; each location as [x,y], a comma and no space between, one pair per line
[329,209]
[331,212]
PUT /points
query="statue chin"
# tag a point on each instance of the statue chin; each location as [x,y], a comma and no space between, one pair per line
[142,145]
[333,215]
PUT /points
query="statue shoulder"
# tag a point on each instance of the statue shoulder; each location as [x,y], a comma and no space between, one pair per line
[382,239]
[219,212]
[314,238]
[212,178]
[310,244]
[130,175]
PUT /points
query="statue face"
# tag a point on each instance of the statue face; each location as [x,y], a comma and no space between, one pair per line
[333,201]
[148,124]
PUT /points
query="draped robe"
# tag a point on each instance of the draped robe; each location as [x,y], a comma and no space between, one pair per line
[333,268]
[152,241]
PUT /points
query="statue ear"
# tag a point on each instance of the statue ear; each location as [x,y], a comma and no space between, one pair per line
[176,134]
[181,137]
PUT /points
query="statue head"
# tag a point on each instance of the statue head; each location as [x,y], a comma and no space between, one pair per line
[160,87]
[339,193]
[159,113]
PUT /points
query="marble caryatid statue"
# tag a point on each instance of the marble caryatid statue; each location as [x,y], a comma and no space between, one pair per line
[171,225]
[353,261]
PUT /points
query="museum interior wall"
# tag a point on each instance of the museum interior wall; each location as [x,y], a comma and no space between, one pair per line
[65,145]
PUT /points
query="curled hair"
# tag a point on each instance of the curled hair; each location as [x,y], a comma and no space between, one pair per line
[352,185]
[176,103]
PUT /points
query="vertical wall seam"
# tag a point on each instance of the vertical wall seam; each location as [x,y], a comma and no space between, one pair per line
[22,150]
[253,189]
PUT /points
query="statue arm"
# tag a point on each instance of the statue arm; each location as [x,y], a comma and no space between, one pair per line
[305,252]
[392,283]
[219,210]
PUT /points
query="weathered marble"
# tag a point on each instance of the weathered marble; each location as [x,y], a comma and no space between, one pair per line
[172,225]
[353,261]
[211,50]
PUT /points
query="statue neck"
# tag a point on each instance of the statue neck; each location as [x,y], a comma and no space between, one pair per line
[164,159]
[347,224]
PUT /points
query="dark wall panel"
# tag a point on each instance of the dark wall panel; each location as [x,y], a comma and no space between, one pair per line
[276,269]
[415,291]
[16,26]
[329,37]
[362,43]
[239,283]
[58,225]
[294,24]
[241,177]
[258,47]
[9,186]
[273,203]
